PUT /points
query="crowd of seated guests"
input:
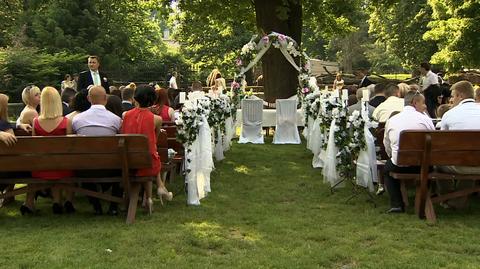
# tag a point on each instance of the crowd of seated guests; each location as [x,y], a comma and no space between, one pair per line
[90,112]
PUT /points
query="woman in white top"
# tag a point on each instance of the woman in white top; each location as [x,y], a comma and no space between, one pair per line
[68,82]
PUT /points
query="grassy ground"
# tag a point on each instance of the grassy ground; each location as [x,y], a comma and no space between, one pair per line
[268,209]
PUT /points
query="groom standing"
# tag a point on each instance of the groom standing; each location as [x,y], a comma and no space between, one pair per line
[92,76]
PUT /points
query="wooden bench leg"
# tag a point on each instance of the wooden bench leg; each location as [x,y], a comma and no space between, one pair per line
[132,207]
[429,210]
[403,189]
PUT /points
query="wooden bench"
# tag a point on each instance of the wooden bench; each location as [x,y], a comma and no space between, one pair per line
[437,148]
[123,152]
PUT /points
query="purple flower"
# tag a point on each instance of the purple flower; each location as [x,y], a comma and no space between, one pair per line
[305,90]
[282,38]
[265,39]
[239,62]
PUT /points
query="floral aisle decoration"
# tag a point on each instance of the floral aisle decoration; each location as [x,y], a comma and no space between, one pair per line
[253,51]
[220,110]
[190,120]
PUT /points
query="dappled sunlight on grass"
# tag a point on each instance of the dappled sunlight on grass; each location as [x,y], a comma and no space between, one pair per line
[242,169]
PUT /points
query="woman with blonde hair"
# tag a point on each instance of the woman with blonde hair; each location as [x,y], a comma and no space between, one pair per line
[404,88]
[31,99]
[338,82]
[51,122]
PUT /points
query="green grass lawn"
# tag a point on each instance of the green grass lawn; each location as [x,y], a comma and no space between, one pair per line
[397,76]
[268,209]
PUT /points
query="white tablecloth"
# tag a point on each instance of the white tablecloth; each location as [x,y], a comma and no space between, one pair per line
[269,117]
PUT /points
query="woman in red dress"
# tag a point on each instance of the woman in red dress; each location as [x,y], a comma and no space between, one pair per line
[140,120]
[51,122]
[162,106]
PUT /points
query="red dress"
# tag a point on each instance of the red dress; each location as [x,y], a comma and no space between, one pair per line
[141,121]
[61,129]
[162,112]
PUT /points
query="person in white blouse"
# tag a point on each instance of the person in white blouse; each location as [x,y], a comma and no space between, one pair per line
[393,103]
[173,81]
[411,118]
[464,115]
[428,77]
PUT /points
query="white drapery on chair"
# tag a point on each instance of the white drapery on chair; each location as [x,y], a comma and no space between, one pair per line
[367,172]
[329,171]
[252,111]
[286,131]
[200,165]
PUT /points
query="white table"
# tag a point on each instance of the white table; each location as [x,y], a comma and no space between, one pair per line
[269,117]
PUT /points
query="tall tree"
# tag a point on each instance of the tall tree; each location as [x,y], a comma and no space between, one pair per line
[399,26]
[455,27]
[282,16]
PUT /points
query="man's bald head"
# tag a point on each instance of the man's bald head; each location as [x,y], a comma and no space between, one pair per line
[97,95]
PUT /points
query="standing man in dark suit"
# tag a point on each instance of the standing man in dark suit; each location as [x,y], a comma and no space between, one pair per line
[92,76]
[364,82]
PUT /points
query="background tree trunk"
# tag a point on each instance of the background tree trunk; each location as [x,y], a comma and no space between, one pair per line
[285,17]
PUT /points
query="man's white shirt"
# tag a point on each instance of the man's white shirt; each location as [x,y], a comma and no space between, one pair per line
[464,116]
[408,119]
[429,79]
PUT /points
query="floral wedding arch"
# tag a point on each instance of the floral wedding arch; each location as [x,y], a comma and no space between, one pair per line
[254,50]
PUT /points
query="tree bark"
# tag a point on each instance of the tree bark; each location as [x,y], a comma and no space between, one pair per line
[279,77]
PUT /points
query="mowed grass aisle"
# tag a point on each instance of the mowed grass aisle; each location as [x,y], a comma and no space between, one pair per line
[268,209]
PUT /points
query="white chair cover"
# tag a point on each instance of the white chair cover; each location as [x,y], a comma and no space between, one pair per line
[252,121]
[286,131]
[200,165]
[366,172]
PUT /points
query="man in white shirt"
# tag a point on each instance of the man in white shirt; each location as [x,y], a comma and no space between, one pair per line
[98,121]
[464,115]
[393,103]
[428,77]
[411,118]
[172,84]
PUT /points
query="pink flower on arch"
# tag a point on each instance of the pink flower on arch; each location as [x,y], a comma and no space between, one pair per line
[282,38]
[265,39]
[238,62]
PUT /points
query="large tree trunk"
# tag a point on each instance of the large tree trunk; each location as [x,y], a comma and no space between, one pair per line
[279,77]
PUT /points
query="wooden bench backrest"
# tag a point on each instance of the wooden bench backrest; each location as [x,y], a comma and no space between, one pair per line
[75,153]
[446,147]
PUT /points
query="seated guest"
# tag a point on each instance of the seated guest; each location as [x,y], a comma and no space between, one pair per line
[477,95]
[441,110]
[79,104]
[98,121]
[404,88]
[379,92]
[433,94]
[161,106]
[391,104]
[411,118]
[127,99]
[464,115]
[140,120]
[31,99]
[114,105]
[67,97]
[115,91]
[358,105]
[51,122]
[352,99]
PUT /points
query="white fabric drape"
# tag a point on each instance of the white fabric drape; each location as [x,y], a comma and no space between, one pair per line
[255,61]
[200,165]
[367,172]
[286,131]
[307,131]
[218,152]
[252,121]
[229,133]
[329,171]
[289,58]
[316,142]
